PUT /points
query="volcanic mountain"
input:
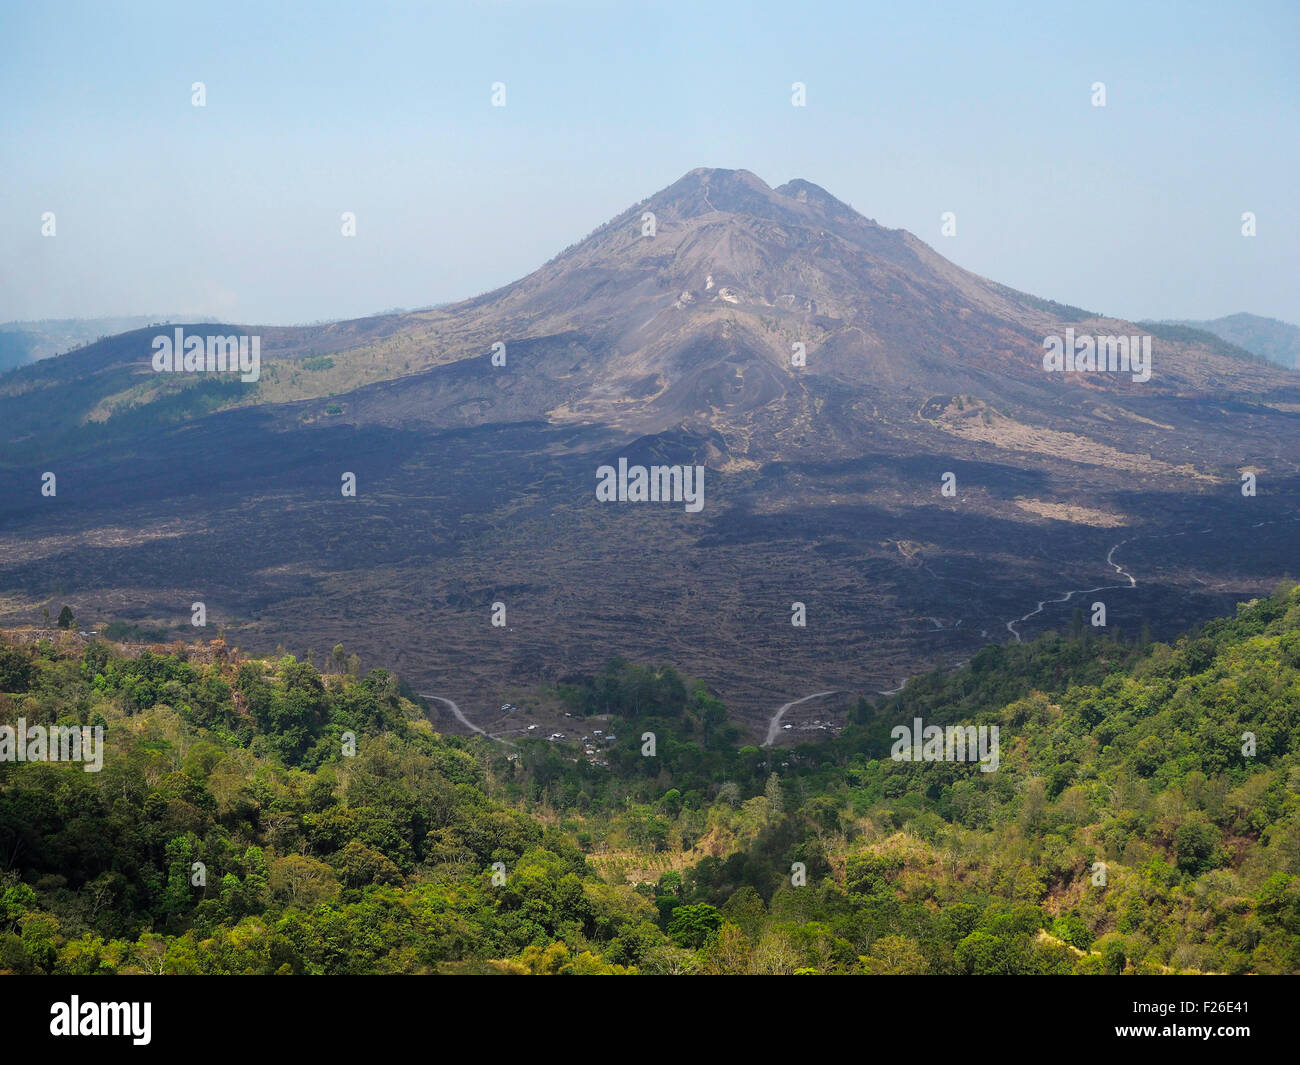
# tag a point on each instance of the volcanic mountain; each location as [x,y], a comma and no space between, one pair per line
[881,441]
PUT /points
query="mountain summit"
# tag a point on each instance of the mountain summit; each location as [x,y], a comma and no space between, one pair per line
[691,306]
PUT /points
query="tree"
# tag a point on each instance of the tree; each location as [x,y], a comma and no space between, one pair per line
[775,796]
[671,802]
[1071,929]
[729,953]
[694,925]
[670,883]
[302,881]
[1197,846]
[894,956]
[982,954]
[65,617]
[872,874]
[359,865]
[1113,957]
[15,670]
[746,909]
[667,960]
[775,954]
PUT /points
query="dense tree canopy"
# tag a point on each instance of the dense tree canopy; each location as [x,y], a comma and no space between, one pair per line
[1145,817]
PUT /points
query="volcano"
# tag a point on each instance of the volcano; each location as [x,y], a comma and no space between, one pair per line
[881,441]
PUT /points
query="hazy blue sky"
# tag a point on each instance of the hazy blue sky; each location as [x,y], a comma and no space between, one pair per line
[984,109]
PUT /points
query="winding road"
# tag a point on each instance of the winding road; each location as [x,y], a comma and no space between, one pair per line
[1132,581]
[774,726]
[456,712]
[1110,561]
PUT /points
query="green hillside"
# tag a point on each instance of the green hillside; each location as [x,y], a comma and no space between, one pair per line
[1144,816]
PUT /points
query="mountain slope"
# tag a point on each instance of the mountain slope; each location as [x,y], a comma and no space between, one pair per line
[1143,817]
[696,322]
[824,482]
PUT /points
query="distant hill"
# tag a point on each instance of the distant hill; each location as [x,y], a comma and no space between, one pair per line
[1268,338]
[26,342]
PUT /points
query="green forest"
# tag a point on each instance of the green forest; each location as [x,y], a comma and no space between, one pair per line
[270,817]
